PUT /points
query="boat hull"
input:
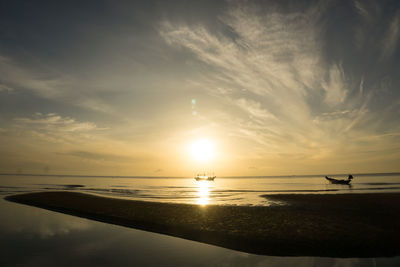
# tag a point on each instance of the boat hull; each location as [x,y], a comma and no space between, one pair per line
[204,178]
[336,181]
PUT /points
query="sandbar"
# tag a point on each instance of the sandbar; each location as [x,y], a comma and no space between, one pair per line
[333,225]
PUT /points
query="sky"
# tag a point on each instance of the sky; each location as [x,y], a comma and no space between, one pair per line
[135,87]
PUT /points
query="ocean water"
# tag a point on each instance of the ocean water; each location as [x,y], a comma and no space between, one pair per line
[221,191]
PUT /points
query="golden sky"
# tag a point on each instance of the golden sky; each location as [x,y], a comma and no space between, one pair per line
[254,88]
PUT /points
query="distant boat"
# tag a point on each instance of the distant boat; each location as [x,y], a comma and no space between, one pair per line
[339,181]
[204,177]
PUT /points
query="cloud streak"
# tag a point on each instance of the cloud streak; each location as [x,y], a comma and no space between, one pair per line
[50,84]
[15,76]
[391,40]
[53,122]
[55,129]
[5,88]
[98,156]
[271,68]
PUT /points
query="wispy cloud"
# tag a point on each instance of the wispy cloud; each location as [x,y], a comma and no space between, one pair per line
[51,84]
[271,68]
[53,128]
[273,59]
[5,88]
[335,88]
[391,40]
[45,84]
[362,10]
[98,156]
[54,122]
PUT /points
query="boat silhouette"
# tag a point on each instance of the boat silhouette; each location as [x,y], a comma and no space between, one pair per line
[339,181]
[204,177]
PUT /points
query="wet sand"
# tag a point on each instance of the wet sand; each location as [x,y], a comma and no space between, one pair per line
[340,225]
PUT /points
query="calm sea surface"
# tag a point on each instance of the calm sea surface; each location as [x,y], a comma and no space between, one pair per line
[222,191]
[35,237]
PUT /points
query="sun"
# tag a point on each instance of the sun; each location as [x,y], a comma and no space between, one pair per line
[202,150]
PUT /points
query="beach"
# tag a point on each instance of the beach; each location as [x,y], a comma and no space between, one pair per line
[331,225]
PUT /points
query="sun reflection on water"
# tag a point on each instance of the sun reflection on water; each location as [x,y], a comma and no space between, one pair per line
[203,193]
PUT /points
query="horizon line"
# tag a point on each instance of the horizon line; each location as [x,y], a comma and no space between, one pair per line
[239,176]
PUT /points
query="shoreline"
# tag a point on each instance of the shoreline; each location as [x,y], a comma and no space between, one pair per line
[339,225]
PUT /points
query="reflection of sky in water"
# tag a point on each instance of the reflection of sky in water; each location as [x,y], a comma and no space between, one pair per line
[36,237]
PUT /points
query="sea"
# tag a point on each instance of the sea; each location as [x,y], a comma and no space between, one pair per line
[221,191]
[31,236]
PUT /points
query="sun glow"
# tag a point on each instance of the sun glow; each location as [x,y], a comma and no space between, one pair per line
[202,150]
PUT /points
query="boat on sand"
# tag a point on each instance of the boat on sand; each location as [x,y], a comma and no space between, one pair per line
[339,181]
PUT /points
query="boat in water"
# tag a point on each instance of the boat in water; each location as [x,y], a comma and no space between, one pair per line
[339,181]
[204,177]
